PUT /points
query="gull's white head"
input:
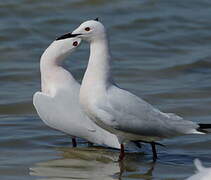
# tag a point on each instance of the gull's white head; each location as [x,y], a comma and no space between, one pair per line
[61,48]
[66,43]
[90,30]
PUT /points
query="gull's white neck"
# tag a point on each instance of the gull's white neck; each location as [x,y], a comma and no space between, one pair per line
[98,70]
[52,72]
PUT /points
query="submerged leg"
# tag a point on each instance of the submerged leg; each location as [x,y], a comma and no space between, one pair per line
[121,168]
[137,143]
[122,153]
[154,151]
[90,143]
[74,143]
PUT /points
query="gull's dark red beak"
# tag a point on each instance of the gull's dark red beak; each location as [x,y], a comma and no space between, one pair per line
[68,35]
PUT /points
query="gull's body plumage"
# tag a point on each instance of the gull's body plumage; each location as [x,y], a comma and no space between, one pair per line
[58,103]
[127,113]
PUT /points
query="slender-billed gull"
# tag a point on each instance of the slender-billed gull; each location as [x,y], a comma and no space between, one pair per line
[117,110]
[58,103]
[202,173]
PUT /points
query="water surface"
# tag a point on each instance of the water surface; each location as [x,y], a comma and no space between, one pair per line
[161,52]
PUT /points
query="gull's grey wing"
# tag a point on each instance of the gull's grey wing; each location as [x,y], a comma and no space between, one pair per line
[42,101]
[129,113]
[61,113]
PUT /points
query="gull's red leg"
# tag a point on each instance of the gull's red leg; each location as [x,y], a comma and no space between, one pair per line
[154,151]
[74,143]
[122,152]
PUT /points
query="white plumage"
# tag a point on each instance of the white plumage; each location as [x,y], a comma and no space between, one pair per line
[58,104]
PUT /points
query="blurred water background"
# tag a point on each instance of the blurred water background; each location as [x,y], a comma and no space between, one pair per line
[161,51]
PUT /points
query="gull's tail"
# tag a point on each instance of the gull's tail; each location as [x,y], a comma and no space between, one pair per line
[203,127]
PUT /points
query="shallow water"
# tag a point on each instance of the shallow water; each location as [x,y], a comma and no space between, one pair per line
[161,52]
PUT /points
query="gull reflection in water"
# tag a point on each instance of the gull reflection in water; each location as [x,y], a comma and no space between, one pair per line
[94,163]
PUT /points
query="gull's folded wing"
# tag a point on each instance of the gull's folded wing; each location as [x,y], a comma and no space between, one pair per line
[127,112]
[59,113]
[45,108]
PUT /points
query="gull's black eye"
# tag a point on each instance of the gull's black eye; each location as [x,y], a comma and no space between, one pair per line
[75,43]
[87,29]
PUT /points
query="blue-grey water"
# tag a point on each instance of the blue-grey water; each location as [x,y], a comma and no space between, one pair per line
[161,51]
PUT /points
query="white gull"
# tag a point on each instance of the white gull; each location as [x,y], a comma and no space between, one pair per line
[117,110]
